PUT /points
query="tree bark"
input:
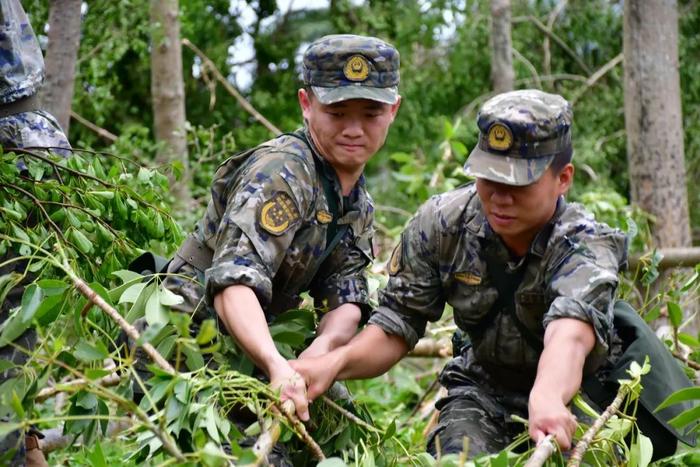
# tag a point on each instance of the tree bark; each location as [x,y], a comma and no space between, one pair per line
[502,74]
[168,90]
[653,119]
[61,57]
[653,122]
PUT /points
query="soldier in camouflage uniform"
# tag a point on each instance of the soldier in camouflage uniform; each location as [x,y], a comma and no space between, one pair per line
[293,214]
[530,277]
[22,125]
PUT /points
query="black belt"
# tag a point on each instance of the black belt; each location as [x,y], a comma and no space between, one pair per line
[26,104]
[195,253]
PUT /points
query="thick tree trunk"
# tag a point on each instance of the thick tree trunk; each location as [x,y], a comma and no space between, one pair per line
[168,89]
[61,56]
[653,122]
[502,73]
[653,118]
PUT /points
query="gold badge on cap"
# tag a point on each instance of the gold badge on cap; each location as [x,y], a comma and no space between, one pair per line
[356,68]
[278,214]
[467,278]
[324,217]
[500,137]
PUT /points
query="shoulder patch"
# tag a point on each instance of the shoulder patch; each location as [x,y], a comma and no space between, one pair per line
[324,217]
[467,278]
[278,214]
[396,261]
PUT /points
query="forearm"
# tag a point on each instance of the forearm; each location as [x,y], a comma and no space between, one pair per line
[370,353]
[239,309]
[567,343]
[338,326]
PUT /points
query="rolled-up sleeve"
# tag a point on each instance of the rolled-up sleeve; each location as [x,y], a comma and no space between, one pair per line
[414,294]
[246,252]
[584,284]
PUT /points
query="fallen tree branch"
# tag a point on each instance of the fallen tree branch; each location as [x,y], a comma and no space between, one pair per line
[206,61]
[587,438]
[349,415]
[269,436]
[54,438]
[131,331]
[672,258]
[543,451]
[101,132]
[692,364]
[287,410]
[106,381]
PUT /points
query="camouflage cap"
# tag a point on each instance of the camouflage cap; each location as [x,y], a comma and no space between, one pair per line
[520,132]
[344,66]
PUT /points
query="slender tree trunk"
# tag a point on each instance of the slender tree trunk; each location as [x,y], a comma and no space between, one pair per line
[653,118]
[61,56]
[168,89]
[502,74]
[653,122]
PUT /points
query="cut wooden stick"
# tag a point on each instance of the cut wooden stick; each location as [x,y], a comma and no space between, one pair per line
[287,410]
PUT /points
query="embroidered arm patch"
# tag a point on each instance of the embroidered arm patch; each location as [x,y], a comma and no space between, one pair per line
[278,214]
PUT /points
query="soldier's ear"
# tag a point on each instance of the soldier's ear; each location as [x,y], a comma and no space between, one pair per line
[304,102]
[565,178]
[395,109]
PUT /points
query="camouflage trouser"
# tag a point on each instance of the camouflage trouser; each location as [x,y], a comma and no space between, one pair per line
[477,410]
[14,441]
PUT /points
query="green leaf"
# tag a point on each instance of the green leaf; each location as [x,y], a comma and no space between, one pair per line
[52,286]
[96,456]
[82,242]
[641,452]
[193,359]
[332,462]
[156,314]
[86,400]
[682,395]
[675,314]
[207,332]
[16,404]
[686,417]
[7,428]
[210,423]
[168,298]
[131,294]
[89,353]
[688,340]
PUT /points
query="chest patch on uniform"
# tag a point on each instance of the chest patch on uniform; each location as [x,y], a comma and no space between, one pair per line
[396,261]
[278,214]
[324,217]
[467,278]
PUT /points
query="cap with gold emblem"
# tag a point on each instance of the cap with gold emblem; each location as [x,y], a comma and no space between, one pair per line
[344,66]
[520,132]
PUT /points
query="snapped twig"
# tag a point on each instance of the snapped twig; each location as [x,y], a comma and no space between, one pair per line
[287,411]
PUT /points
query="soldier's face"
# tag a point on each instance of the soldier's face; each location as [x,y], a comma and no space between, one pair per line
[517,213]
[347,133]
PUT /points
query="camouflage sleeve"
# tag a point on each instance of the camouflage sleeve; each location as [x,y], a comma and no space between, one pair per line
[342,278]
[414,295]
[584,280]
[264,210]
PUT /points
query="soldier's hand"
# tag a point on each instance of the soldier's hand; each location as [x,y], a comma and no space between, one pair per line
[318,373]
[292,387]
[549,416]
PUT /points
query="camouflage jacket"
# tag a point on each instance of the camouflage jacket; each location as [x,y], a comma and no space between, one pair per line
[570,271]
[21,61]
[267,225]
